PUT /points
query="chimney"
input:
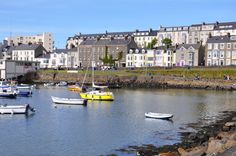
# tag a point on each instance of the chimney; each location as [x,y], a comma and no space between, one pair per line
[203,23]
[136,30]
[217,23]
[106,32]
[150,30]
[228,35]
[97,38]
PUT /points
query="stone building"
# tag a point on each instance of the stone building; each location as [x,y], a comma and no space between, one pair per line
[221,51]
[93,49]
[190,55]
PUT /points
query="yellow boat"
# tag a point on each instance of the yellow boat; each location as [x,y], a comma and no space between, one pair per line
[98,95]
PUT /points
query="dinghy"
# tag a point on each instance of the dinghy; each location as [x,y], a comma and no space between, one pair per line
[158,115]
[16,109]
[69,101]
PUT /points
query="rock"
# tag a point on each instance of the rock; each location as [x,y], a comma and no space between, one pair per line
[230,124]
[225,128]
[215,146]
[234,119]
[229,144]
[196,151]
[169,154]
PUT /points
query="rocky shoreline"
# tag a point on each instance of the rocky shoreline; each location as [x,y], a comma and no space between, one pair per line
[157,81]
[211,139]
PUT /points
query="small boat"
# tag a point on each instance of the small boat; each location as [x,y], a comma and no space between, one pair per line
[69,101]
[62,83]
[16,109]
[8,92]
[158,115]
[24,93]
[99,95]
[24,86]
[233,87]
[48,84]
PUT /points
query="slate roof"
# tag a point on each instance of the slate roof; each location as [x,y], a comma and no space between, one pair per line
[47,55]
[186,46]
[225,26]
[27,47]
[106,42]
[140,51]
[221,39]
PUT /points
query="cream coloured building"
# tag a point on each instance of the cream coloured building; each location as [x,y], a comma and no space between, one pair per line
[221,51]
[136,58]
[46,39]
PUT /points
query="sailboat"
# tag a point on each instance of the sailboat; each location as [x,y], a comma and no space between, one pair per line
[98,92]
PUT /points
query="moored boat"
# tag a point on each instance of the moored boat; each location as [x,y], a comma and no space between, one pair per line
[158,115]
[16,109]
[69,101]
[98,95]
[48,84]
[8,92]
[62,83]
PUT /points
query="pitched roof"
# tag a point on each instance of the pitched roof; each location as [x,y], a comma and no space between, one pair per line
[27,47]
[106,42]
[186,46]
[221,39]
[47,56]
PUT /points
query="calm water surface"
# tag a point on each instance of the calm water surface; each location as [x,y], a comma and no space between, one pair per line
[103,127]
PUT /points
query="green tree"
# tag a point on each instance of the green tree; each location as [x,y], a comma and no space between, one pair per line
[105,60]
[109,60]
[167,42]
[152,43]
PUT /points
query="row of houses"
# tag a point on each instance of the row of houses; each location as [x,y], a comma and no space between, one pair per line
[193,34]
[219,51]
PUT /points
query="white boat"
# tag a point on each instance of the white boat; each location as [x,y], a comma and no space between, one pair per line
[69,101]
[16,109]
[48,84]
[8,92]
[62,83]
[24,86]
[158,115]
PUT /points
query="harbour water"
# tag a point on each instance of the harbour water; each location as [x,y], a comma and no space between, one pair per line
[103,128]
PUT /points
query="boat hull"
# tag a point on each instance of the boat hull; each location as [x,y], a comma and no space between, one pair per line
[158,116]
[106,97]
[67,101]
[21,109]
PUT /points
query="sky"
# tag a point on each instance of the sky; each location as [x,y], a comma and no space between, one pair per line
[65,18]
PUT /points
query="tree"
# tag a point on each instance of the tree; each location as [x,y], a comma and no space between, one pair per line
[152,43]
[105,60]
[167,42]
[109,60]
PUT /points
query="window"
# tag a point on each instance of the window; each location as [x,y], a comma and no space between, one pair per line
[228,45]
[216,46]
[182,56]
[222,45]
[222,54]
[209,54]
[190,56]
[228,54]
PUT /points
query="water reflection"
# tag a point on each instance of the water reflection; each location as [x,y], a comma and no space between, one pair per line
[104,126]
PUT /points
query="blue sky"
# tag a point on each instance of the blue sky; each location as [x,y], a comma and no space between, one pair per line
[65,18]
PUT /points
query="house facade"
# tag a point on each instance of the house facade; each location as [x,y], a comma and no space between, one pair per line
[136,58]
[58,59]
[190,55]
[94,49]
[221,51]
[27,52]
